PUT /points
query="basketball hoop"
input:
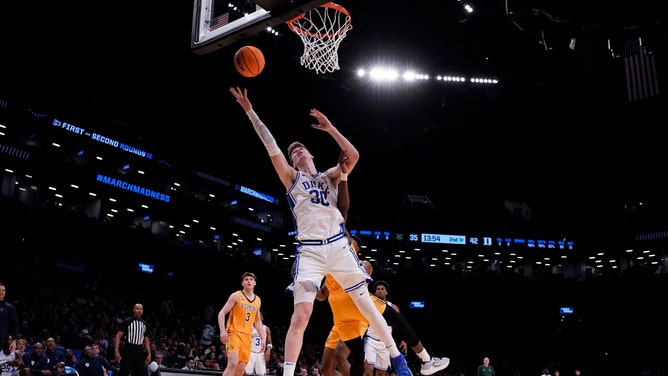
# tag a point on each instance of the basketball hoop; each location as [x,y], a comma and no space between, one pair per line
[321,29]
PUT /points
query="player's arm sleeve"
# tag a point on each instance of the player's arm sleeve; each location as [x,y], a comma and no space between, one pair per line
[264,133]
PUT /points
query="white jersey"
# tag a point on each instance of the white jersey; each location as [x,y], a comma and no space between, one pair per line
[376,353]
[372,333]
[6,369]
[256,364]
[256,341]
[313,202]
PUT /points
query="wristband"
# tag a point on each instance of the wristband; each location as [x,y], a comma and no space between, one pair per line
[344,176]
[269,346]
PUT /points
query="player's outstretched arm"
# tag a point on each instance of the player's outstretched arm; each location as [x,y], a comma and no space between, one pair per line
[285,172]
[347,148]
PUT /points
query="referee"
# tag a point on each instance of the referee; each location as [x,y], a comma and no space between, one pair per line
[137,347]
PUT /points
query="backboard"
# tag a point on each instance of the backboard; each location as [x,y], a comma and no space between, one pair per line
[218,23]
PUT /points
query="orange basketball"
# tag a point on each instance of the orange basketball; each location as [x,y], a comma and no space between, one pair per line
[249,61]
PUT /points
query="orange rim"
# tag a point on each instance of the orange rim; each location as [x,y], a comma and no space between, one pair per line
[298,30]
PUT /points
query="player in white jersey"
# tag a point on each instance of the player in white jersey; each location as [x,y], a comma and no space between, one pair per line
[323,247]
[375,355]
[257,364]
[9,364]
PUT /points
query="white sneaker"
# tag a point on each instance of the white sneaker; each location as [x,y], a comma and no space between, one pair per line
[434,365]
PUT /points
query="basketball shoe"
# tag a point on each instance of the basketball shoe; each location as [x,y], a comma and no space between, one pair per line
[400,366]
[434,365]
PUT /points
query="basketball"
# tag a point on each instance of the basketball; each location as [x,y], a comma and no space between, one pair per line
[249,61]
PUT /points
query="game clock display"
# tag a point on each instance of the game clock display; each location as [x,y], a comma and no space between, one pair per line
[475,240]
[431,238]
[443,238]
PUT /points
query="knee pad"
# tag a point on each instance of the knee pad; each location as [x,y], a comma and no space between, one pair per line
[304,291]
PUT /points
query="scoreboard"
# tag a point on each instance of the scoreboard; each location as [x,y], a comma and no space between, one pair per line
[477,240]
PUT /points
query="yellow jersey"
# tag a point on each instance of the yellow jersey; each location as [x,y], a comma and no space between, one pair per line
[242,316]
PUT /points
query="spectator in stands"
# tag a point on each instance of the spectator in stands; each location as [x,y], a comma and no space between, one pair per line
[209,349]
[208,333]
[85,338]
[200,362]
[221,356]
[70,330]
[97,351]
[190,364]
[21,346]
[59,343]
[36,362]
[92,364]
[70,359]
[101,339]
[195,351]
[485,369]
[189,345]
[273,367]
[156,364]
[208,314]
[180,357]
[26,331]
[167,306]
[169,348]
[56,358]
[162,347]
[210,361]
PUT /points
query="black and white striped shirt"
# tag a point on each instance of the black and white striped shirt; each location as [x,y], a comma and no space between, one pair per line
[135,330]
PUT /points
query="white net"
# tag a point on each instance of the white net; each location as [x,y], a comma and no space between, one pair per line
[321,30]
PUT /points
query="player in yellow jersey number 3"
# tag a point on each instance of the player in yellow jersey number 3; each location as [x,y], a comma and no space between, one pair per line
[243,307]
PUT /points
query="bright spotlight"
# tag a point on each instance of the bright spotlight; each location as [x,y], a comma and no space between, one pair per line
[409,76]
[384,74]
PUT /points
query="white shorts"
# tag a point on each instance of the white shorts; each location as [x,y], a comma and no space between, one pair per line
[313,262]
[256,364]
[376,353]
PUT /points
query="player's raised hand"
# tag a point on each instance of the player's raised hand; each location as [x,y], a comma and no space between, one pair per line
[323,123]
[242,98]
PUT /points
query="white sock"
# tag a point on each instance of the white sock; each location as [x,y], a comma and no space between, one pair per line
[394,351]
[424,355]
[289,369]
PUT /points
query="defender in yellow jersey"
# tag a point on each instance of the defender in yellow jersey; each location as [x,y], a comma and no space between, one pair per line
[243,307]
[346,336]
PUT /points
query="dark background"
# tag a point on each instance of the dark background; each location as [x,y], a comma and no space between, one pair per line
[556,132]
